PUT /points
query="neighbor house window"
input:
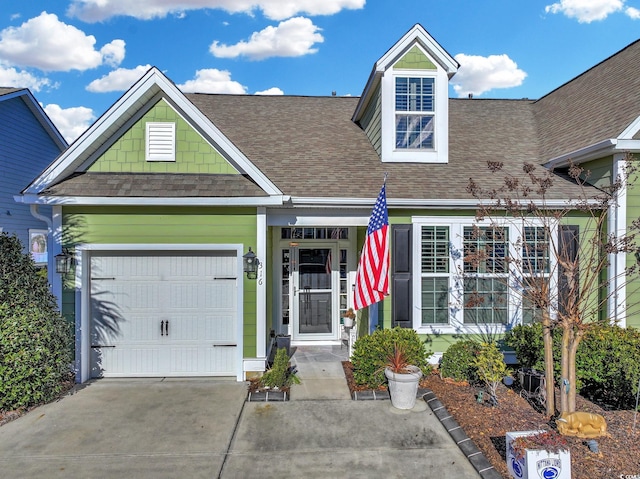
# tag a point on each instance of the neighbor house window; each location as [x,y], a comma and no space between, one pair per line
[161,141]
[415,113]
[475,275]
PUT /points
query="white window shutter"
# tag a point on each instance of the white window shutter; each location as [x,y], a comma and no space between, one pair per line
[161,141]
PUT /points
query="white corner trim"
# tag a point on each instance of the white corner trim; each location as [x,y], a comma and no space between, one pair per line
[261,290]
[617,227]
[630,131]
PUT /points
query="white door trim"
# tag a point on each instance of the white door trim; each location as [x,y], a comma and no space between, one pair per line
[83,295]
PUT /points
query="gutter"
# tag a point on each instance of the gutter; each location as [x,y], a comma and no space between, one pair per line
[35,199]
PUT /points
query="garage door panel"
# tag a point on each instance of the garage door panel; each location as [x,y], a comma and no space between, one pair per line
[172,314]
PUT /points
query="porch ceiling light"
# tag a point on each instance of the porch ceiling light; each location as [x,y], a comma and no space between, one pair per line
[64,261]
[250,264]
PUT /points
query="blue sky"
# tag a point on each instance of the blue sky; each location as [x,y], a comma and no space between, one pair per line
[79,56]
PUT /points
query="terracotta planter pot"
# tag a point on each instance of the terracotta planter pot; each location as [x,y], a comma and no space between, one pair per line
[403,388]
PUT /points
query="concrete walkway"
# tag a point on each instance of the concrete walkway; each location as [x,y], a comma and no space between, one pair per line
[155,428]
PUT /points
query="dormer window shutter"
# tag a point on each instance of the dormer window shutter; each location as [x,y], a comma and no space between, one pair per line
[161,141]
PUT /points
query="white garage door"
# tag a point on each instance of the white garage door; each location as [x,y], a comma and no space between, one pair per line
[157,314]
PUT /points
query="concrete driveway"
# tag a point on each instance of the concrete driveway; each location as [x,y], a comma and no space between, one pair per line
[204,428]
[126,429]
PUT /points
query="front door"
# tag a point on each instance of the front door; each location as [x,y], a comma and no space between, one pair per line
[314,311]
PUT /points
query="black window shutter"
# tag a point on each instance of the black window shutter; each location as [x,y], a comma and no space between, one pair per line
[568,242]
[401,297]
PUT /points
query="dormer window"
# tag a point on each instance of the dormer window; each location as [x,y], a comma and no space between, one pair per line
[415,113]
[404,109]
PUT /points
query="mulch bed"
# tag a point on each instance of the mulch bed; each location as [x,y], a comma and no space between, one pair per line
[619,454]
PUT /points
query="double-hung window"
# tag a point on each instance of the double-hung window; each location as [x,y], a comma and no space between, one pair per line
[435,271]
[415,113]
[478,274]
[486,271]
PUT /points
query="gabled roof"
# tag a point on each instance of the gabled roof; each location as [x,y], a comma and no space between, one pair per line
[313,152]
[417,34]
[594,112]
[152,86]
[25,94]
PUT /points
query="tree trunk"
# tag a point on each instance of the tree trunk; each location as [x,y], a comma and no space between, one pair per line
[567,332]
[572,376]
[547,338]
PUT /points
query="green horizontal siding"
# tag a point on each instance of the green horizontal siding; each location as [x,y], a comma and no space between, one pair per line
[633,289]
[167,225]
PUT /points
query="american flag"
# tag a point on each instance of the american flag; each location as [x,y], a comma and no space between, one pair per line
[372,276]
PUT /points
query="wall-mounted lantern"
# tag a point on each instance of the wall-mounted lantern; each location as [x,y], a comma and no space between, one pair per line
[64,261]
[251,263]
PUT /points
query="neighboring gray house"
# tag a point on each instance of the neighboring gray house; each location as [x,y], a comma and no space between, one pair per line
[28,143]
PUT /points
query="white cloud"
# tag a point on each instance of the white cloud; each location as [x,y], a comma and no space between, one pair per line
[118,80]
[113,53]
[71,122]
[478,74]
[11,77]
[274,90]
[633,13]
[292,38]
[586,11]
[212,80]
[46,43]
[99,10]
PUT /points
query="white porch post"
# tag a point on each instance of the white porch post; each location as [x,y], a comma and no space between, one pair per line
[617,226]
[261,287]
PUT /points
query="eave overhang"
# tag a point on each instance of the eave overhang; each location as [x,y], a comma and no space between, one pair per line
[277,200]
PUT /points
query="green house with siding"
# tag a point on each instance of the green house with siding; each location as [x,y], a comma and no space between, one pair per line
[160,199]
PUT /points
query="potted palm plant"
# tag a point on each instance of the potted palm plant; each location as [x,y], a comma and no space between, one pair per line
[403,378]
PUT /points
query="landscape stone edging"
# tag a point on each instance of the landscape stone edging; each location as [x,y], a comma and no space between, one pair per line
[466,445]
[379,394]
[268,396]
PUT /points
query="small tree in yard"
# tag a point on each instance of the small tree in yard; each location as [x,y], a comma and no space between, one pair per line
[561,268]
[35,341]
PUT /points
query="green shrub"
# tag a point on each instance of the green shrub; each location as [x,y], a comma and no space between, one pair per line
[608,365]
[458,361]
[607,360]
[370,354]
[280,375]
[35,341]
[526,341]
[490,366]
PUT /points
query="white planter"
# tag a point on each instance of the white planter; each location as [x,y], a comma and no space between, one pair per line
[347,322]
[537,463]
[403,388]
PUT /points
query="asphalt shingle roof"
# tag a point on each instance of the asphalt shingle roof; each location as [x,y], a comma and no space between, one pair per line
[155,185]
[309,146]
[597,105]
